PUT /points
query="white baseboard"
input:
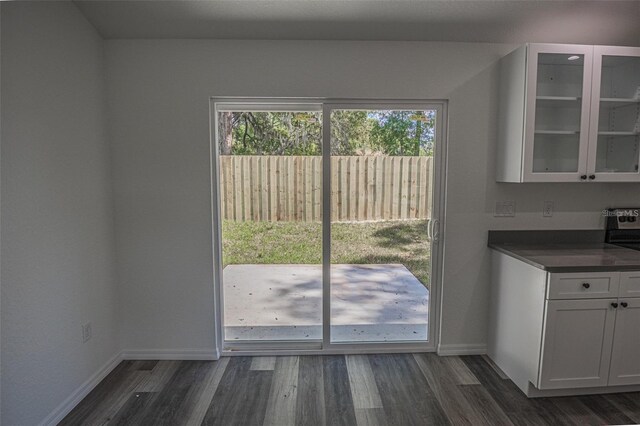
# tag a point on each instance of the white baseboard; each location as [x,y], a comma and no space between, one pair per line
[76,396]
[461,349]
[172,354]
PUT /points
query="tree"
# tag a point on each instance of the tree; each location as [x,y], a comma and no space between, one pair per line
[270,133]
[350,132]
[403,132]
[353,132]
[225,132]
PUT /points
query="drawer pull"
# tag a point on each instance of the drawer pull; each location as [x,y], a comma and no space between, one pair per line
[586,285]
[614,304]
[624,304]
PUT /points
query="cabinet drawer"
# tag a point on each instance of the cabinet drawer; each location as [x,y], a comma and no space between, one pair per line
[592,285]
[630,284]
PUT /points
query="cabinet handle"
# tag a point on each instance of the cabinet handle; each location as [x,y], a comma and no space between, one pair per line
[624,304]
[614,304]
[586,285]
[583,177]
[592,177]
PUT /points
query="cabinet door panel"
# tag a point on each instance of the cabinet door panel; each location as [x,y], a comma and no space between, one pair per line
[557,112]
[630,284]
[577,341]
[595,285]
[625,358]
[614,135]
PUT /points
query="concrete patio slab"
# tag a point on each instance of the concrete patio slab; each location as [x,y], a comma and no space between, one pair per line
[369,303]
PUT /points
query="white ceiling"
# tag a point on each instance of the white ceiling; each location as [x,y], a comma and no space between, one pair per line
[500,21]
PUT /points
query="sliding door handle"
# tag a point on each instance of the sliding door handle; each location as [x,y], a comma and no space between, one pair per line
[435,232]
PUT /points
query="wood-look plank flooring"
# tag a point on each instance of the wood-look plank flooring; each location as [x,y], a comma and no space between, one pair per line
[396,389]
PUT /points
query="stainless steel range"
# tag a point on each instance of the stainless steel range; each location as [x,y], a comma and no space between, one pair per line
[623,227]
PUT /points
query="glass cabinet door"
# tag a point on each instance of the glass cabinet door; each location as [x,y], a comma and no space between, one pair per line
[615,114]
[558,89]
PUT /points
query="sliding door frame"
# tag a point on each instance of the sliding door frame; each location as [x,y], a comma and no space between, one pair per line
[329,106]
[437,225]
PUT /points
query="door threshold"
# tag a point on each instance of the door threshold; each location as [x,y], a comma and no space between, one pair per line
[315,348]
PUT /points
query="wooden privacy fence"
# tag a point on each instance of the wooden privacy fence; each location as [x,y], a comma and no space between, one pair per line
[289,188]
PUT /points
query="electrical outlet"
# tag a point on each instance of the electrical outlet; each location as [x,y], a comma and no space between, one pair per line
[505,209]
[86,332]
[547,209]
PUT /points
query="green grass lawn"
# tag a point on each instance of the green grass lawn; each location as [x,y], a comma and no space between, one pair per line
[403,242]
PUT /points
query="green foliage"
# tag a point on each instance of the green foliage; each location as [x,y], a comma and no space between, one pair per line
[403,132]
[350,132]
[277,133]
[353,132]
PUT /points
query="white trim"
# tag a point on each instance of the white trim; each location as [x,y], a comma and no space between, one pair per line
[532,392]
[439,204]
[440,181]
[82,391]
[216,228]
[172,354]
[326,227]
[268,107]
[317,346]
[462,349]
[378,349]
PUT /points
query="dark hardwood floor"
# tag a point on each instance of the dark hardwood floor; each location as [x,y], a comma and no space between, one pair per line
[406,389]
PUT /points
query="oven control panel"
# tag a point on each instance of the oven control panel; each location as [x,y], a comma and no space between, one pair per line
[623,218]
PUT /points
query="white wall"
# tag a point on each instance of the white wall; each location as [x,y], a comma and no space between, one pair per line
[158,103]
[472,194]
[58,247]
[57,226]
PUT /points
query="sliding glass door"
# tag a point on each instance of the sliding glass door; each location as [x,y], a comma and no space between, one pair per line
[270,207]
[381,210]
[326,224]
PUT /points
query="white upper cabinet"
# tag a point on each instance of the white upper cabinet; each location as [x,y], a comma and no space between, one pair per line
[615,114]
[557,112]
[569,113]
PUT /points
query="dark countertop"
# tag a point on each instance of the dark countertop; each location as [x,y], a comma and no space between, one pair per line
[560,254]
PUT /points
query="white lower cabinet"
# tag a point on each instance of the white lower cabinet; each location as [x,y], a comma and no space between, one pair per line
[577,343]
[591,342]
[625,357]
[565,333]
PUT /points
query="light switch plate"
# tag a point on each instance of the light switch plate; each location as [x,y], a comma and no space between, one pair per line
[505,209]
